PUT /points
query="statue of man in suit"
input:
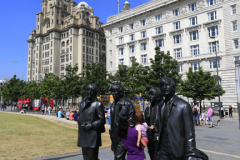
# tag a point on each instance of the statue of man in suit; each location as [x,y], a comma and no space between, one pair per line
[121,105]
[152,117]
[177,140]
[91,122]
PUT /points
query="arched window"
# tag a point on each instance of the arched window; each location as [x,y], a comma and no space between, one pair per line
[67,42]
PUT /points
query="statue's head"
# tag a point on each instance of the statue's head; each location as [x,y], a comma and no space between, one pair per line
[167,86]
[117,91]
[91,90]
[154,94]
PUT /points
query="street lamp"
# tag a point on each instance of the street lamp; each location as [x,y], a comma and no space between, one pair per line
[237,66]
[219,102]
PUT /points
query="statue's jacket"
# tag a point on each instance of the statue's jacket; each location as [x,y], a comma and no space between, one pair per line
[123,106]
[93,113]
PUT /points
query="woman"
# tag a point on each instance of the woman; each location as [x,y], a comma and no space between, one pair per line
[129,137]
[230,111]
[68,114]
[49,110]
[222,112]
[43,109]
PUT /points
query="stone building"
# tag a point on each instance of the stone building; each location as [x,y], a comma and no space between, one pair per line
[192,30]
[66,33]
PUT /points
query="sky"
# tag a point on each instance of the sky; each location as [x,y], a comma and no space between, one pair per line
[18,19]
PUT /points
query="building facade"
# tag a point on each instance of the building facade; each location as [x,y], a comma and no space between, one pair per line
[194,31]
[66,33]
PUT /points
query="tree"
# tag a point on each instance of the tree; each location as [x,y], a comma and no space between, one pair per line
[163,65]
[72,82]
[120,76]
[95,73]
[34,90]
[136,78]
[12,89]
[200,85]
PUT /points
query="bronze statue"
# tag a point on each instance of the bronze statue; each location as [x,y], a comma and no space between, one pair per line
[152,117]
[177,139]
[120,106]
[91,122]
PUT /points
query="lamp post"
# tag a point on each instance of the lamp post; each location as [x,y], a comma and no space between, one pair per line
[219,102]
[237,66]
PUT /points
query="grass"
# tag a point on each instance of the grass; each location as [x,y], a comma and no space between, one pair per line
[24,136]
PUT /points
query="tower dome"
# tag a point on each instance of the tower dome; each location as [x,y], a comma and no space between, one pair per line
[83,3]
[126,2]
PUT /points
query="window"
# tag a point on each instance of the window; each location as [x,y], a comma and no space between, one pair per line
[120,29]
[84,57]
[235,43]
[83,48]
[160,43]
[62,67]
[195,50]
[121,40]
[110,64]
[70,48]
[176,25]
[143,22]
[178,53]
[176,12]
[110,42]
[71,40]
[144,46]
[234,11]
[194,35]
[132,48]
[70,32]
[131,26]
[121,61]
[62,59]
[192,7]
[177,39]
[83,32]
[214,47]
[211,2]
[121,51]
[236,58]
[144,59]
[195,66]
[213,31]
[132,37]
[143,34]
[158,18]
[159,30]
[234,25]
[212,16]
[110,52]
[179,67]
[214,63]
[50,67]
[70,56]
[67,58]
[110,32]
[193,21]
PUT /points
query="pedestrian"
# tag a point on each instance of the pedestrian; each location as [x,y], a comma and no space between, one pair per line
[230,111]
[59,107]
[109,117]
[60,114]
[43,108]
[68,114]
[141,128]
[75,116]
[210,116]
[222,112]
[49,110]
[203,117]
[71,116]
[129,138]
[196,113]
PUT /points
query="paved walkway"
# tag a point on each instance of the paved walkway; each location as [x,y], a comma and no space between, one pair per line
[219,143]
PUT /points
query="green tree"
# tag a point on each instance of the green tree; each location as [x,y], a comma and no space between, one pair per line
[72,82]
[120,76]
[137,76]
[200,85]
[34,90]
[163,65]
[95,73]
[11,91]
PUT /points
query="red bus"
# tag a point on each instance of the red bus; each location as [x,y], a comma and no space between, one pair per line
[35,104]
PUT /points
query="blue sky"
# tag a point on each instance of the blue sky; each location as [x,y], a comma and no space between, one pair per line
[18,19]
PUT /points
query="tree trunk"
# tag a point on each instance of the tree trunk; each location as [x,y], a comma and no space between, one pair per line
[72,101]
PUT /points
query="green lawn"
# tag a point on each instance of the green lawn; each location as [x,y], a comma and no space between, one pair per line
[24,136]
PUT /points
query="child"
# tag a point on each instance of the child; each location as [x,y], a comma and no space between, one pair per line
[203,117]
[141,128]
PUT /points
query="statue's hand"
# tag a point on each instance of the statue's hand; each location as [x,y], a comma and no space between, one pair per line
[87,126]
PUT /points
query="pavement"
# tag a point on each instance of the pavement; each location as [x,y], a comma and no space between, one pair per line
[219,143]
